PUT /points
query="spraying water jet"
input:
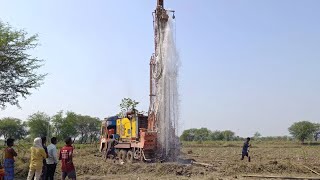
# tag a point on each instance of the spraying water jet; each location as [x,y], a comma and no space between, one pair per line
[164,102]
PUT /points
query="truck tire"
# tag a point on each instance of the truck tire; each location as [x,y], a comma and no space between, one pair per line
[130,156]
[122,155]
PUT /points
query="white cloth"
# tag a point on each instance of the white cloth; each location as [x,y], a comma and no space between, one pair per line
[52,154]
[36,173]
[37,142]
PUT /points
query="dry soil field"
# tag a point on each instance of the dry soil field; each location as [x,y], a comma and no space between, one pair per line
[268,158]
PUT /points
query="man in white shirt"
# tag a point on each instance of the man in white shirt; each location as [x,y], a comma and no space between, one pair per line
[52,159]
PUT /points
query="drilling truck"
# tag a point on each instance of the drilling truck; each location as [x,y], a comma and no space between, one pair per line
[137,133]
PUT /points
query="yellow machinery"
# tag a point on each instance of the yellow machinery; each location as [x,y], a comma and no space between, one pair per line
[127,129]
[135,142]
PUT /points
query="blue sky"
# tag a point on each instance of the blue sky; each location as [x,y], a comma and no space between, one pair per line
[247,66]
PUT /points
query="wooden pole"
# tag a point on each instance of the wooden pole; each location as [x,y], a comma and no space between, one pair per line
[202,164]
[311,170]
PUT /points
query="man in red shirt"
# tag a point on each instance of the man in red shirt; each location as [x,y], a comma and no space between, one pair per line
[65,156]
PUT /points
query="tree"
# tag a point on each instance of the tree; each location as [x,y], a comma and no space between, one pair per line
[17,67]
[128,104]
[303,130]
[68,128]
[188,135]
[12,128]
[94,129]
[216,136]
[39,124]
[202,134]
[57,123]
[256,135]
[82,127]
[228,135]
[74,125]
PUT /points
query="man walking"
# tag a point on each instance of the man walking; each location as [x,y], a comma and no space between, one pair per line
[67,167]
[245,149]
[52,159]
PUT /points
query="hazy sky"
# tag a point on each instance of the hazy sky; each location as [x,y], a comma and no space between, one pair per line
[246,65]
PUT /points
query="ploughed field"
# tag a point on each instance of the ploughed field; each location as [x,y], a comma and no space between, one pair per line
[214,160]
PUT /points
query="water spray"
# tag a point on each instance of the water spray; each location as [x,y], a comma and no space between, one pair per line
[164,102]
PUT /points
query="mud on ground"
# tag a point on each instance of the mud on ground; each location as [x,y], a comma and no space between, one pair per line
[268,158]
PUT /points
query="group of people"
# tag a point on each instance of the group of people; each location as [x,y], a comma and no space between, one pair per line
[43,160]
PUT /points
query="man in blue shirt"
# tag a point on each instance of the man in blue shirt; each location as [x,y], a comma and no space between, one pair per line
[245,149]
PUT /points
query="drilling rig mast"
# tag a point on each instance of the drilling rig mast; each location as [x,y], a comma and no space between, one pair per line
[140,137]
[160,21]
[160,18]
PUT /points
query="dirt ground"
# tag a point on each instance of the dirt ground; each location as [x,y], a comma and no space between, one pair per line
[223,159]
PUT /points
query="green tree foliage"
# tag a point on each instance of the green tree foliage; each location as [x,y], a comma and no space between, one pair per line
[86,128]
[94,127]
[68,126]
[39,124]
[17,68]
[216,136]
[303,130]
[12,128]
[188,135]
[204,134]
[57,123]
[128,104]
[228,135]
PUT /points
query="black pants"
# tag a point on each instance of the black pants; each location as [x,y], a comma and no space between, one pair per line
[51,169]
[111,152]
[245,154]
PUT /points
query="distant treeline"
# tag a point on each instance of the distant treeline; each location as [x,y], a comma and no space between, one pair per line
[302,130]
[204,134]
[85,129]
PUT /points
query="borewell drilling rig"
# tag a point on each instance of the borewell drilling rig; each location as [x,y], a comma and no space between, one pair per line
[138,134]
[157,122]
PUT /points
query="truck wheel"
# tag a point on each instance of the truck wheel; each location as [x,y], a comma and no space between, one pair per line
[122,155]
[130,156]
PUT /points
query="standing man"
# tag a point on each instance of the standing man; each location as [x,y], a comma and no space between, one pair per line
[67,167]
[44,167]
[9,154]
[245,149]
[52,159]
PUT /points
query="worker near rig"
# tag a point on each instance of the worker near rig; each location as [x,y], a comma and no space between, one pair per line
[110,146]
